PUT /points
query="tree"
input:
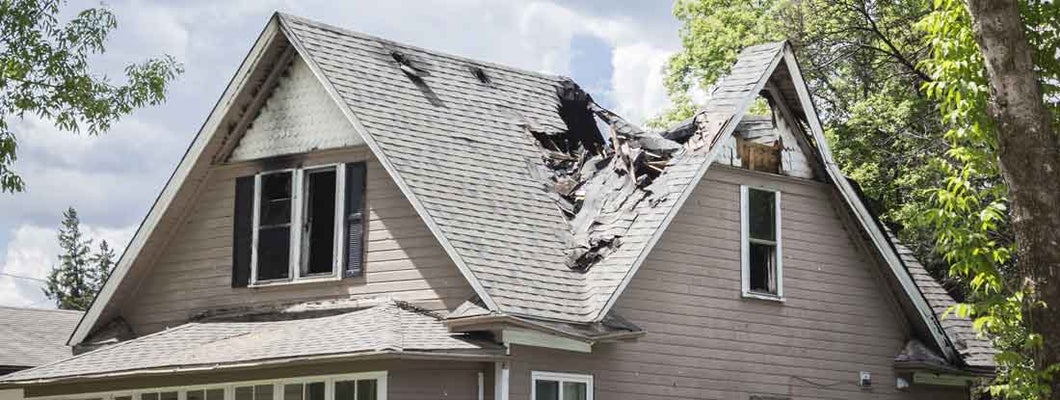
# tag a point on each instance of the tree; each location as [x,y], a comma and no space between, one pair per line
[80,275]
[71,283]
[45,71]
[996,82]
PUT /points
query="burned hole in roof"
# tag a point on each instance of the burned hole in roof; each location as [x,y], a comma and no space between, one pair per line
[481,75]
[599,181]
[406,65]
[416,72]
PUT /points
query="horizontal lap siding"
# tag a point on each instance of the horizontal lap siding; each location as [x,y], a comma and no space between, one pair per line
[704,341]
[193,273]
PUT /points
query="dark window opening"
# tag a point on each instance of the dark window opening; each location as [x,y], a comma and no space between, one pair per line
[762,273]
[318,229]
[274,227]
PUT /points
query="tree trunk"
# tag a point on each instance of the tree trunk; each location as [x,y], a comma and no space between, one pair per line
[1029,152]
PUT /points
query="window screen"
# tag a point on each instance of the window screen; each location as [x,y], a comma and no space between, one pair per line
[274,226]
[761,209]
[318,227]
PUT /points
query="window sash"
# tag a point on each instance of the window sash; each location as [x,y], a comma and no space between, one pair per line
[775,274]
[299,187]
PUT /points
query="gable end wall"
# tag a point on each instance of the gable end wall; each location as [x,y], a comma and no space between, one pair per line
[193,273]
[704,340]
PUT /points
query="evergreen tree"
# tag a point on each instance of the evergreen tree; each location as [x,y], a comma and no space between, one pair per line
[71,283]
[102,265]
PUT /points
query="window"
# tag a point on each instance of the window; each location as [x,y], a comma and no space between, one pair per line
[356,386]
[561,386]
[294,224]
[760,245]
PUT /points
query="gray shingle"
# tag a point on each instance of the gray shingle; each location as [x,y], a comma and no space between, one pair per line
[976,351]
[388,328]
[33,337]
[463,150]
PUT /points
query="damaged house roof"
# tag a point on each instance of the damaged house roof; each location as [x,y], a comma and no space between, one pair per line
[545,215]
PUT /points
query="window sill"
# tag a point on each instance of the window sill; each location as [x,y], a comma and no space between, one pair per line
[299,281]
[763,296]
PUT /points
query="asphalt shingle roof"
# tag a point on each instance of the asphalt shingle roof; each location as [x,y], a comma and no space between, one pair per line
[976,351]
[462,147]
[32,337]
[386,328]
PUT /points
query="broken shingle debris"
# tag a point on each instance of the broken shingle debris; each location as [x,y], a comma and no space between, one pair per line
[598,181]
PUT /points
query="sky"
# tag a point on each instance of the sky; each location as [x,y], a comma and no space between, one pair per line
[615,49]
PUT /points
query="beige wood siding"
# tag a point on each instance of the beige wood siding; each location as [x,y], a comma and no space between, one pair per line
[704,341]
[193,272]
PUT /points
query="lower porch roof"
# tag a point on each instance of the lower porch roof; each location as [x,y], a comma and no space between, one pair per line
[391,328]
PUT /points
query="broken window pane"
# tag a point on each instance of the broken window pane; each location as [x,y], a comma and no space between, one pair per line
[318,229]
[762,273]
[762,214]
[274,226]
[546,390]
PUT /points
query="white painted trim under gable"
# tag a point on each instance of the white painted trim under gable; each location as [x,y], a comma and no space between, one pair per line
[527,337]
[850,196]
[165,198]
[726,131]
[561,377]
[745,245]
[389,167]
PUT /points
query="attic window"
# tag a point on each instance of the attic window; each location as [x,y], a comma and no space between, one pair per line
[481,75]
[760,246]
[294,219]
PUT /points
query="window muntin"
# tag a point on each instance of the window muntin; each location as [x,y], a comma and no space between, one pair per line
[761,245]
[298,222]
[561,386]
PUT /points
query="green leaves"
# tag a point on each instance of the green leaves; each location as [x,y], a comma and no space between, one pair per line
[45,71]
[970,212]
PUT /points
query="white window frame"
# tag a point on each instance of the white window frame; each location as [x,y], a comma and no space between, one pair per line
[745,245]
[560,377]
[299,186]
[381,378]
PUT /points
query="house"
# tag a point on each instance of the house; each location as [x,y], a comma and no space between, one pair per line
[363,219]
[32,337]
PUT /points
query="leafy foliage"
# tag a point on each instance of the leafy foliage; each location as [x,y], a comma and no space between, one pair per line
[80,274]
[860,59]
[44,71]
[970,212]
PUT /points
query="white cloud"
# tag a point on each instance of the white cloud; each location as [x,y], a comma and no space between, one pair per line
[637,80]
[31,253]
